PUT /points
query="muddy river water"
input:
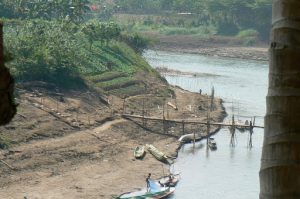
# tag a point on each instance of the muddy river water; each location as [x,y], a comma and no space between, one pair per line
[228,172]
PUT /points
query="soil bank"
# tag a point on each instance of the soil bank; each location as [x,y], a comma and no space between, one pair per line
[76,147]
[214,46]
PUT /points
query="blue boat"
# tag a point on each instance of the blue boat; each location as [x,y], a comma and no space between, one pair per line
[156,191]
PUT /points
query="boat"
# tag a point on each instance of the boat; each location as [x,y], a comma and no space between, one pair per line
[212,144]
[170,180]
[139,152]
[158,154]
[156,191]
[188,138]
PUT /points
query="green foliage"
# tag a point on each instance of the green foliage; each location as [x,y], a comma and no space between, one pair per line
[106,76]
[59,52]
[204,30]
[136,41]
[117,83]
[227,28]
[5,142]
[44,51]
[101,31]
[250,36]
[228,16]
[248,33]
[73,10]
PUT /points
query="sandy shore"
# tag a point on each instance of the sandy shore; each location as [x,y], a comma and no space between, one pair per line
[56,159]
[210,47]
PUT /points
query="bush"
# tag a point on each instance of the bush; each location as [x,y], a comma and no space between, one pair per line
[136,41]
[249,36]
[227,28]
[248,33]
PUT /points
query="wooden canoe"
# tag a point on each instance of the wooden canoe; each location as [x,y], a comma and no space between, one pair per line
[158,154]
[139,152]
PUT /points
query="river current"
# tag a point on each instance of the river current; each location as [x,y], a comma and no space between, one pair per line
[229,172]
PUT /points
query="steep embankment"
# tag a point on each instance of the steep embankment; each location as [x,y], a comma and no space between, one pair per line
[72,143]
[213,46]
[72,146]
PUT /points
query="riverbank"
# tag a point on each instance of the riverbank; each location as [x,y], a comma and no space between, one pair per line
[214,46]
[78,147]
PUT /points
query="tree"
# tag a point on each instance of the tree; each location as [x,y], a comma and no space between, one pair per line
[280,163]
[74,10]
[7,106]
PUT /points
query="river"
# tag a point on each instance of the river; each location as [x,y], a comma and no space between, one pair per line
[229,172]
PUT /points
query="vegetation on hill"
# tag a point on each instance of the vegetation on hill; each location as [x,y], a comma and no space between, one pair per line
[64,46]
[227,16]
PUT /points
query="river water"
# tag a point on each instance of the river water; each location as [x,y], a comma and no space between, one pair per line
[229,172]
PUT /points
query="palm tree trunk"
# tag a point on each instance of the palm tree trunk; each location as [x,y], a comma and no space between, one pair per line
[280,163]
[7,106]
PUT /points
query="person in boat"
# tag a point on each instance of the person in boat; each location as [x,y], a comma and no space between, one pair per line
[148,182]
[161,184]
[171,178]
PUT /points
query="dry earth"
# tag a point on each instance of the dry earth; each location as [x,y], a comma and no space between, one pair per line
[73,146]
[220,47]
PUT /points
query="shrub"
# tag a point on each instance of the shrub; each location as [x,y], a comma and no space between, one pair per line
[136,41]
[249,36]
[248,33]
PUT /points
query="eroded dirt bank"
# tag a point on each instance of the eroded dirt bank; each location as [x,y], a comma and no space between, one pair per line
[74,146]
[215,46]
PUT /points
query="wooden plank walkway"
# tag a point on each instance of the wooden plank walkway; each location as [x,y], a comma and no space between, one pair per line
[188,121]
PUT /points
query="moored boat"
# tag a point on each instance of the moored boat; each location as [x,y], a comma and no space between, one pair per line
[158,154]
[170,180]
[212,144]
[139,152]
[188,138]
[156,191]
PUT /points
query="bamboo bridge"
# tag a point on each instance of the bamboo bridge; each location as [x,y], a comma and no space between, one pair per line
[192,121]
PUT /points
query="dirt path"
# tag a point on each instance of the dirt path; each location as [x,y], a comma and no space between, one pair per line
[55,161]
[93,177]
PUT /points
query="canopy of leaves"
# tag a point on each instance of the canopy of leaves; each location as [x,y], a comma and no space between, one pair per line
[229,16]
[73,10]
[60,51]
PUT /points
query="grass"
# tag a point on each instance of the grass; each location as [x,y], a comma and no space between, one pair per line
[116,83]
[5,142]
[201,31]
[119,72]
[106,76]
[135,89]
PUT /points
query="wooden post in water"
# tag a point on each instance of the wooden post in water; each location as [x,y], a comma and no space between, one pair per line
[208,124]
[232,140]
[183,127]
[208,130]
[250,134]
[194,139]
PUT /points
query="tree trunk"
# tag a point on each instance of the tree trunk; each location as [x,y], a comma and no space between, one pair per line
[280,163]
[7,106]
